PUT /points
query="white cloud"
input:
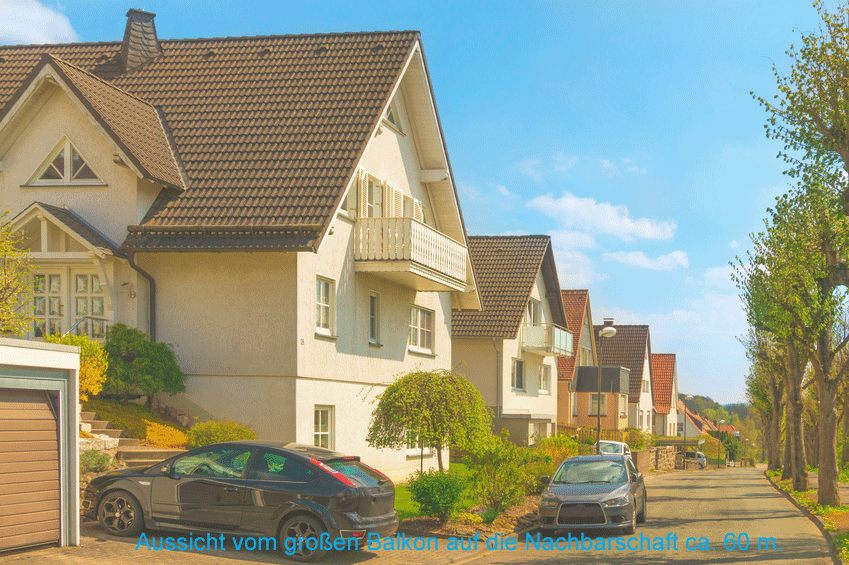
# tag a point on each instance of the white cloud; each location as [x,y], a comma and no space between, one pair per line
[733,244]
[631,166]
[515,232]
[28,21]
[607,165]
[720,276]
[575,269]
[531,167]
[470,192]
[564,161]
[638,259]
[604,217]
[503,191]
[567,239]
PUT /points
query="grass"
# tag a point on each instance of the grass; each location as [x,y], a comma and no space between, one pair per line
[408,509]
[139,422]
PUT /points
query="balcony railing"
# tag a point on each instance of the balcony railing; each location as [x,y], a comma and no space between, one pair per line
[547,339]
[412,244]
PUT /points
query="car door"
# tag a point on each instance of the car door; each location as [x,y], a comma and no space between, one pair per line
[638,487]
[205,488]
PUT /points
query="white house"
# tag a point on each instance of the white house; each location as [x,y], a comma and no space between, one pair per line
[665,378]
[280,210]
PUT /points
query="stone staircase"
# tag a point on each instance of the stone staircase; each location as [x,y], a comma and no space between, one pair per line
[130,451]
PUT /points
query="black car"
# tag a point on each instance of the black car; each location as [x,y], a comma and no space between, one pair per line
[280,490]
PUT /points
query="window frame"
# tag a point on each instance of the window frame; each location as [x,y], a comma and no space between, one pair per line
[574,404]
[374,198]
[415,447]
[521,375]
[592,411]
[330,306]
[417,328]
[623,405]
[374,318]
[544,378]
[331,436]
[396,123]
[67,179]
[533,314]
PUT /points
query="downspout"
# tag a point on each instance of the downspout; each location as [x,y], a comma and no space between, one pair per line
[498,379]
[152,285]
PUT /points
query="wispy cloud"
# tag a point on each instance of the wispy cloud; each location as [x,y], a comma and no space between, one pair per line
[639,259]
[604,217]
[733,244]
[531,167]
[505,192]
[28,21]
[564,161]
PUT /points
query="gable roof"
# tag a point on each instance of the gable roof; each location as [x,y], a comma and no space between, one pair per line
[506,269]
[704,425]
[662,376]
[628,348]
[727,428]
[269,129]
[74,224]
[575,304]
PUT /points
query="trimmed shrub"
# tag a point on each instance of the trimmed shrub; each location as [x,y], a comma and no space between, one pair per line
[498,469]
[636,439]
[140,366]
[164,436]
[93,362]
[207,433]
[437,493]
[94,461]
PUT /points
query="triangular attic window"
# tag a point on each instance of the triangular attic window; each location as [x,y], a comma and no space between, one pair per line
[66,166]
[391,117]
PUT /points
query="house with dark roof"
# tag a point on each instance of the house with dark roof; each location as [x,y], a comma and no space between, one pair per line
[665,378]
[631,348]
[579,320]
[509,349]
[281,210]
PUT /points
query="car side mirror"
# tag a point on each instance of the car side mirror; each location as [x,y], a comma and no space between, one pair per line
[545,479]
[634,477]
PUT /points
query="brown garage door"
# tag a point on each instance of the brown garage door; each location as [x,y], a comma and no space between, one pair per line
[29,470]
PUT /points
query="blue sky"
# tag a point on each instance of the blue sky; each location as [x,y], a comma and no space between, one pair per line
[624,129]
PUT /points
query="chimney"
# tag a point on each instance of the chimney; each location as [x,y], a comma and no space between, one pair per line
[608,322]
[140,43]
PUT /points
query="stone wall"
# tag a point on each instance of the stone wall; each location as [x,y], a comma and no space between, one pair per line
[662,458]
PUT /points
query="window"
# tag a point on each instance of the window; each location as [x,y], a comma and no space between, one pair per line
[66,166]
[623,405]
[391,117]
[85,294]
[324,295]
[532,316]
[574,403]
[223,462]
[270,466]
[421,330]
[544,378]
[89,306]
[374,318]
[323,427]
[47,305]
[594,399]
[517,379]
[374,199]
[414,445]
[645,386]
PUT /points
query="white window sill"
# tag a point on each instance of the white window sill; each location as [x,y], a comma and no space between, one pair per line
[394,128]
[375,344]
[415,453]
[325,334]
[514,389]
[420,351]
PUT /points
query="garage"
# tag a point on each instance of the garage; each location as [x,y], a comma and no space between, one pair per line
[39,477]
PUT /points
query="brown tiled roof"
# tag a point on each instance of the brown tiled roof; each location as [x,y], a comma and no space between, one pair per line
[80,227]
[626,349]
[506,268]
[727,428]
[269,129]
[662,376]
[575,305]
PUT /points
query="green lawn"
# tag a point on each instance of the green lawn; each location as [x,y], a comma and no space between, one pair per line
[408,509]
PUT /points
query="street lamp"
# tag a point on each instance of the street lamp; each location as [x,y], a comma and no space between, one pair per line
[607,331]
[688,397]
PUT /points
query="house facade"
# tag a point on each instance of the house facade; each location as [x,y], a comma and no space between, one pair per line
[665,378]
[631,348]
[604,391]
[509,349]
[579,318]
[293,231]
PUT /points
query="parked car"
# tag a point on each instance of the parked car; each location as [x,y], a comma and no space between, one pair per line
[284,490]
[614,448]
[700,458]
[594,491]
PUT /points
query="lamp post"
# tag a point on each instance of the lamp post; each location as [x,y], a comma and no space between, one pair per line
[688,397]
[607,331]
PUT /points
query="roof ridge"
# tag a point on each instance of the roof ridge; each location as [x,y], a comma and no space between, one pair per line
[46,45]
[98,79]
[292,35]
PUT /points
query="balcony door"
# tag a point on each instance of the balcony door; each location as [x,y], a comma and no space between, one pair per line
[65,297]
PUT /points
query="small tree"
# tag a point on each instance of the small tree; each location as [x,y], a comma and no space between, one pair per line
[440,407]
[140,366]
[93,362]
[15,296]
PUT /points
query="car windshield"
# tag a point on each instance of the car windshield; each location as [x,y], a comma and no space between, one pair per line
[611,448]
[575,472]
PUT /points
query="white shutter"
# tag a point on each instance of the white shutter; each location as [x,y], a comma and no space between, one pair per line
[418,214]
[397,203]
[387,199]
[362,190]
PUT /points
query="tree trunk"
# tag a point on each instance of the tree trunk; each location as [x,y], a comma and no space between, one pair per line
[772,429]
[439,456]
[793,425]
[828,493]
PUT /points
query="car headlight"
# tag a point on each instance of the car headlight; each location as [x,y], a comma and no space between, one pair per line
[620,501]
[548,503]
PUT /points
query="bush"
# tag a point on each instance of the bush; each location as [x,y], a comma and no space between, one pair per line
[138,421]
[93,362]
[164,436]
[207,433]
[499,473]
[636,439]
[437,493]
[140,366]
[94,462]
[545,456]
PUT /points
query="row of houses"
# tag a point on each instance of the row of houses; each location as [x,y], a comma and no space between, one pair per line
[282,211]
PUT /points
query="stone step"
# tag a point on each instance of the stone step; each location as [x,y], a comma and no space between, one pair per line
[133,455]
[87,416]
[111,432]
[98,424]
[128,442]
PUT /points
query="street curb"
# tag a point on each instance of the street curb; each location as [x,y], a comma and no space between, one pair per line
[829,538]
[477,554]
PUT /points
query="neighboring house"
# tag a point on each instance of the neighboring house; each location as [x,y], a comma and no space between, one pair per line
[280,210]
[631,348]
[509,349]
[695,424]
[614,384]
[580,323]
[665,378]
[729,429]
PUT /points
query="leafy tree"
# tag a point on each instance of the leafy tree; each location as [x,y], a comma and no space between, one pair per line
[140,366]
[440,407]
[765,390]
[15,295]
[93,362]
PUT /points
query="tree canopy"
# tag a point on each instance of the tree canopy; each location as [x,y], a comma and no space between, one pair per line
[15,268]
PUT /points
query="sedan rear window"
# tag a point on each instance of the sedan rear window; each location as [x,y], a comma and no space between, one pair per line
[358,473]
[591,472]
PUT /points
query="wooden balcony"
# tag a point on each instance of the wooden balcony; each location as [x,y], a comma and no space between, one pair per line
[410,253]
[547,339]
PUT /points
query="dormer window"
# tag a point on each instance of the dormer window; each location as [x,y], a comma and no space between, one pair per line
[66,166]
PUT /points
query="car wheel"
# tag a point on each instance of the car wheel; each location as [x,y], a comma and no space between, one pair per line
[641,517]
[632,527]
[301,528]
[120,514]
